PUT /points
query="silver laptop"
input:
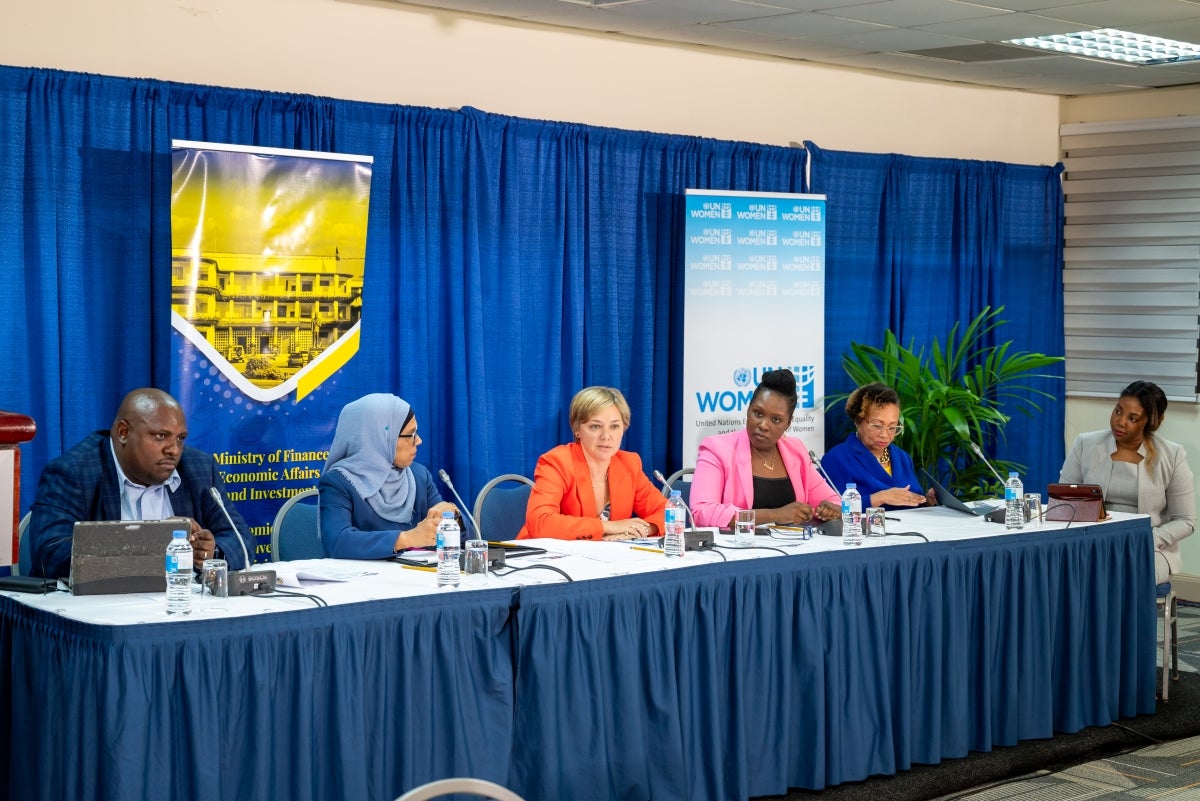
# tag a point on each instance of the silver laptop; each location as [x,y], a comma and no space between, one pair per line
[118,556]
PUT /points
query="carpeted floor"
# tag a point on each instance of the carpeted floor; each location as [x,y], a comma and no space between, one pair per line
[1037,769]
[1166,772]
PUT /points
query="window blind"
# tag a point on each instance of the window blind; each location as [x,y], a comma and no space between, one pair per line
[1131,267]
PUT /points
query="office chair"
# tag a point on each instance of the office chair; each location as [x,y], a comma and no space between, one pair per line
[24,558]
[294,534]
[500,510]
[682,481]
[477,787]
[1165,594]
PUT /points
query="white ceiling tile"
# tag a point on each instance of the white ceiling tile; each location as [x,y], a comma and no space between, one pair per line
[849,32]
[911,13]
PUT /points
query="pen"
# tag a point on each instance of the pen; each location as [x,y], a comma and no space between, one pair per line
[420,567]
[885,517]
[647,550]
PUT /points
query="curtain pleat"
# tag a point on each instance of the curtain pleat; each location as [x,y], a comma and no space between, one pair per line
[509,261]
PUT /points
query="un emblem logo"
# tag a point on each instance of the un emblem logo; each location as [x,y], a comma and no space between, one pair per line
[741,377]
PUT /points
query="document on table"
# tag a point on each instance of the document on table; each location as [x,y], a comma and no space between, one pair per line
[295,575]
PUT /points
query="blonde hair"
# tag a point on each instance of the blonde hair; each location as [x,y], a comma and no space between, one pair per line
[590,400]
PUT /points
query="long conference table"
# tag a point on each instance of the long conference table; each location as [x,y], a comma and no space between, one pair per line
[646,678]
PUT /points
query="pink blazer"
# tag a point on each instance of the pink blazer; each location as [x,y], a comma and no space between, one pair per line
[723,481]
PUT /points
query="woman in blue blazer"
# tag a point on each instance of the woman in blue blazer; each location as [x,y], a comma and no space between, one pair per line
[882,470]
[375,499]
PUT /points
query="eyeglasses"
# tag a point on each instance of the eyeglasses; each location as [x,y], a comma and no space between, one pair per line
[412,436]
[892,431]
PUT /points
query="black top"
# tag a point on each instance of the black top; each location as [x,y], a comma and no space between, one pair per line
[773,493]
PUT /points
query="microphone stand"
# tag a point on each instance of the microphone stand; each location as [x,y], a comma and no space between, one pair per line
[821,469]
[979,452]
[445,477]
[248,580]
[695,538]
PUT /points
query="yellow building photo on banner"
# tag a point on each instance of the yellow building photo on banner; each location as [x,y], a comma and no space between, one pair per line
[268,249]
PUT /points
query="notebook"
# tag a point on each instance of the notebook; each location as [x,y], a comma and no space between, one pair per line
[118,556]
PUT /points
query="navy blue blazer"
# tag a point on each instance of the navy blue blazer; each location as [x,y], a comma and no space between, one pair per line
[351,529]
[82,485]
[850,461]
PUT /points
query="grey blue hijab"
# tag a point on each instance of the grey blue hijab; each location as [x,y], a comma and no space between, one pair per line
[364,449]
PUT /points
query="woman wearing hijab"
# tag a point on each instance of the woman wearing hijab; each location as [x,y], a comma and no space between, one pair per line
[375,499]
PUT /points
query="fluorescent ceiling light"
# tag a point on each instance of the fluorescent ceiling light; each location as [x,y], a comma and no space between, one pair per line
[1114,45]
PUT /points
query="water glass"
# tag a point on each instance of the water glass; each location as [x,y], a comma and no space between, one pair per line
[874,522]
[1033,508]
[214,585]
[743,528]
[475,565]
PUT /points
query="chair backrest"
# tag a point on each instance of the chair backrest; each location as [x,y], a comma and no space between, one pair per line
[682,481]
[500,506]
[24,564]
[294,535]
[477,787]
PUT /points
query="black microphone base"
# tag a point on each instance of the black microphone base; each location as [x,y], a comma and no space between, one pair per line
[251,582]
[694,540]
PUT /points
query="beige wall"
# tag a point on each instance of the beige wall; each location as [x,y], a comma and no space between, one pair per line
[393,53]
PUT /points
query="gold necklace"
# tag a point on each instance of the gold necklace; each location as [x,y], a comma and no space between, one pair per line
[768,465]
[885,458]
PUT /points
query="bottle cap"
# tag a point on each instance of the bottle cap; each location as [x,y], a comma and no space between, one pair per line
[676,494]
[448,514]
[177,533]
[851,486]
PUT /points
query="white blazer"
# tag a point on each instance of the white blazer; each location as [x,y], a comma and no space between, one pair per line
[1165,492]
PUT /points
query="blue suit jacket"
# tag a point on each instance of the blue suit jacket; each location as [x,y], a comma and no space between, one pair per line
[850,461]
[351,529]
[82,485]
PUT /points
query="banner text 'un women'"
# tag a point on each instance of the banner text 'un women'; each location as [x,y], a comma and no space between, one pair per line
[754,300]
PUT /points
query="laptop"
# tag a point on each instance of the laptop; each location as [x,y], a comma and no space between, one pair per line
[950,501]
[109,557]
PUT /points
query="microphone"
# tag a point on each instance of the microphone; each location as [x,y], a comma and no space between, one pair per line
[821,469]
[216,494]
[466,512]
[658,474]
[695,538]
[248,580]
[979,452]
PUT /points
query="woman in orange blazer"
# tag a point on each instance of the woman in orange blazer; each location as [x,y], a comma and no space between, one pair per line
[591,489]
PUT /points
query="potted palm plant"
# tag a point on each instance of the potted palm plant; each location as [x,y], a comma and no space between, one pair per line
[953,395]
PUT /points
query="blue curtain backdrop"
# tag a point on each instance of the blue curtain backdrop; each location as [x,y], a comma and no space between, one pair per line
[509,263]
[919,244]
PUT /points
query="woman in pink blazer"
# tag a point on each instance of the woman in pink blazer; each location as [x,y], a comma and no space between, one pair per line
[759,468]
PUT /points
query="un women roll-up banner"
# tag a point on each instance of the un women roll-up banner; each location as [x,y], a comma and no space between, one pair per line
[754,300]
[268,248]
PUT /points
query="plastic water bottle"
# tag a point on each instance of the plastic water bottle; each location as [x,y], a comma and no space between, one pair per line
[179,574]
[676,515]
[448,545]
[852,533]
[1014,495]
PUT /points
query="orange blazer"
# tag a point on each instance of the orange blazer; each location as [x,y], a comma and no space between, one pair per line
[562,504]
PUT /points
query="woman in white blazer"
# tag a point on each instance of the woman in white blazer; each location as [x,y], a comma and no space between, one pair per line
[1139,471]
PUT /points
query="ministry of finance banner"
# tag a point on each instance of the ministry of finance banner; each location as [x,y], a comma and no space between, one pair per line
[754,292]
[268,250]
